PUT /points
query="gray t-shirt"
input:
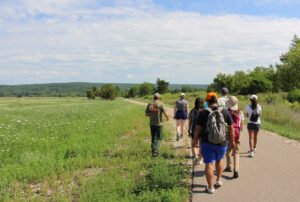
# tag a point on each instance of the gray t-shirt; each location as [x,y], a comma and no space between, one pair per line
[181,104]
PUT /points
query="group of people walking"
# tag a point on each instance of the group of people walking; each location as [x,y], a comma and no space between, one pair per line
[214,126]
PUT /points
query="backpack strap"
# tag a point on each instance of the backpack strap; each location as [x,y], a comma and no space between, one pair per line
[209,110]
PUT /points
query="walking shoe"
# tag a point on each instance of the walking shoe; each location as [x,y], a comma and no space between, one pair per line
[227,169]
[235,174]
[254,149]
[251,155]
[218,184]
[155,154]
[196,160]
[210,190]
[177,137]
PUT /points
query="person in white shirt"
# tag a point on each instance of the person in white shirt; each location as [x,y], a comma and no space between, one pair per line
[223,99]
[254,112]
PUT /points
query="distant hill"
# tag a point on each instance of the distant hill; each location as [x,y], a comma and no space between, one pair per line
[66,89]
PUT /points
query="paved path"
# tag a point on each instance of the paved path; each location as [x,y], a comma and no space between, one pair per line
[272,175]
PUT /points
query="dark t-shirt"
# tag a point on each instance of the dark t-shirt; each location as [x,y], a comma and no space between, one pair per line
[202,120]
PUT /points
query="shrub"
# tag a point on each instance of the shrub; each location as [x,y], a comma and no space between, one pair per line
[294,96]
[109,92]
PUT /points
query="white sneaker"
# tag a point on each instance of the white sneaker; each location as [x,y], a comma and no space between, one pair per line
[210,191]
[218,184]
[251,154]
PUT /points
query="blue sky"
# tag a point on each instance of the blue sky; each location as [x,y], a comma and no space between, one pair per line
[274,8]
[133,41]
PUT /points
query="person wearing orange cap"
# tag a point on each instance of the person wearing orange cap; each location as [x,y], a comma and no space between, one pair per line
[211,128]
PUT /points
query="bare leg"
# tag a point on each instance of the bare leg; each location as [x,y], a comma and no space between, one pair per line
[178,127]
[228,158]
[209,173]
[219,167]
[237,156]
[255,133]
[195,145]
[250,139]
[182,126]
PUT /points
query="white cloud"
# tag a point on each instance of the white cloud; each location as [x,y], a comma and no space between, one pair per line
[133,43]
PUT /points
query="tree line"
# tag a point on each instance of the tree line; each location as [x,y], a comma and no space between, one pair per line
[283,77]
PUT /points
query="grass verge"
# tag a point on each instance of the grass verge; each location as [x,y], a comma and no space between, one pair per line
[78,150]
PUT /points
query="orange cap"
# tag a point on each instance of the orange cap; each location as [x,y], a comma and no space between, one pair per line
[209,95]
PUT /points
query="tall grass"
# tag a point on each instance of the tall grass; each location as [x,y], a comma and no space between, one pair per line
[74,149]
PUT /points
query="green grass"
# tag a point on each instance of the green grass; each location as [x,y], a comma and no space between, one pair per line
[278,116]
[75,149]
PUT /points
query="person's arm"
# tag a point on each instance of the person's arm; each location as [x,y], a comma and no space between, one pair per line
[247,113]
[242,125]
[260,110]
[190,122]
[164,112]
[166,115]
[147,111]
[187,108]
[230,123]
[231,135]
[175,109]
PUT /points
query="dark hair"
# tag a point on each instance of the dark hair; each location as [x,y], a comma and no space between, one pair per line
[213,100]
[253,104]
[198,102]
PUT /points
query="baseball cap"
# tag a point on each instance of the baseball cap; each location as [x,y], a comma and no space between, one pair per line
[156,95]
[232,103]
[182,94]
[253,97]
[210,95]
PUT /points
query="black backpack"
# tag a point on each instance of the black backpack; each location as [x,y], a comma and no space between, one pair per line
[254,116]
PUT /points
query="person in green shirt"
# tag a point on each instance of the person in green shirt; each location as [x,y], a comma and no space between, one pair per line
[155,110]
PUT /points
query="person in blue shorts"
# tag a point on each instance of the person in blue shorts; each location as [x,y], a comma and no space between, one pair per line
[213,154]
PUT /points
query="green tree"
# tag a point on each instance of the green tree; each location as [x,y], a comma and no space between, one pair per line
[146,89]
[133,91]
[109,92]
[92,93]
[186,89]
[289,70]
[162,86]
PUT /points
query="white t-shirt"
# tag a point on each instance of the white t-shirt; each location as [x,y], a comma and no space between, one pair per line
[249,111]
[242,117]
[222,102]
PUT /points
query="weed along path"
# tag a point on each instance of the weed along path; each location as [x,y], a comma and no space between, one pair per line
[272,175]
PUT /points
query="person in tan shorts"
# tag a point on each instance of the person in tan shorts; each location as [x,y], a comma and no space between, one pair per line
[233,164]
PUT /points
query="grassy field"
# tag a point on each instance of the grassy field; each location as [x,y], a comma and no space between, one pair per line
[72,149]
[278,116]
